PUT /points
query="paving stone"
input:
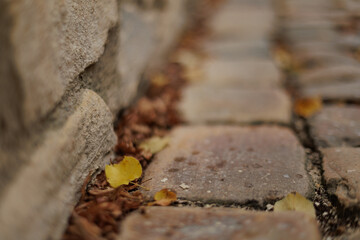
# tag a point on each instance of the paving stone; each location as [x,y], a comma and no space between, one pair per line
[304,35]
[217,223]
[230,164]
[335,91]
[259,73]
[237,49]
[336,126]
[342,173]
[329,74]
[317,58]
[203,104]
[246,21]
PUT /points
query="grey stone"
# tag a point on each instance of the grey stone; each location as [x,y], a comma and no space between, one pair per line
[39,200]
[342,173]
[335,91]
[336,126]
[48,44]
[217,223]
[202,104]
[245,73]
[334,73]
[230,164]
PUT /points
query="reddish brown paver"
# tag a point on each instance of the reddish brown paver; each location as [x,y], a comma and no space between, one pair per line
[342,173]
[325,75]
[217,223]
[336,126]
[203,104]
[241,73]
[230,164]
[335,91]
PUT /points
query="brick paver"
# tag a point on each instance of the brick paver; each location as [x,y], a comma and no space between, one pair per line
[217,223]
[335,91]
[203,104]
[230,164]
[336,126]
[241,73]
[330,74]
[342,173]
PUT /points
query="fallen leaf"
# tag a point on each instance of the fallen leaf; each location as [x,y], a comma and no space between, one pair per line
[295,202]
[154,144]
[164,197]
[159,80]
[306,107]
[122,173]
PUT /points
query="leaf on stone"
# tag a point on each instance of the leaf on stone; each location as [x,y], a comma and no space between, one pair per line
[306,107]
[295,202]
[154,144]
[164,197]
[124,172]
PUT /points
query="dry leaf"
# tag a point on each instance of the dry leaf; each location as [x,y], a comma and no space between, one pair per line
[122,173]
[154,144]
[159,80]
[164,197]
[295,202]
[306,107]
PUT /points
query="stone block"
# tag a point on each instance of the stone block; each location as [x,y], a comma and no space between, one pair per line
[336,126]
[226,164]
[36,204]
[202,104]
[48,44]
[342,173]
[217,223]
[244,73]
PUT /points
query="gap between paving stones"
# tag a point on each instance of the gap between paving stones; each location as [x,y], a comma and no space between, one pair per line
[330,213]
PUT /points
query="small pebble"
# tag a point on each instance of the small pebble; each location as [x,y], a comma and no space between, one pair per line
[184,186]
[164,180]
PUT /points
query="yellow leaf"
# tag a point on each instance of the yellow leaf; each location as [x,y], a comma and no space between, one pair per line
[154,144]
[159,80]
[164,197]
[306,107]
[122,173]
[295,202]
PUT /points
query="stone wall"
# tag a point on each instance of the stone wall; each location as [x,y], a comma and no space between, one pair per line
[66,69]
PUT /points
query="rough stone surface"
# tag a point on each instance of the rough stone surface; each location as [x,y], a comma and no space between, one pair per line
[217,223]
[202,104]
[230,164]
[336,126]
[40,199]
[249,73]
[330,74]
[342,173]
[335,91]
[50,43]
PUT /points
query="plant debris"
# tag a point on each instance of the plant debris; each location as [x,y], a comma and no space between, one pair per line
[154,144]
[295,202]
[306,107]
[124,172]
[164,197]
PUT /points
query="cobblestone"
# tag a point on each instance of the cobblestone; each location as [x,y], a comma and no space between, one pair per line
[336,126]
[217,223]
[203,104]
[241,73]
[342,173]
[230,164]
